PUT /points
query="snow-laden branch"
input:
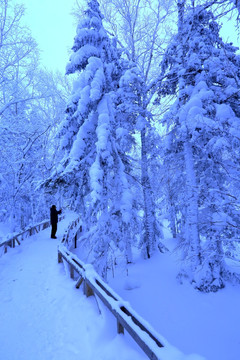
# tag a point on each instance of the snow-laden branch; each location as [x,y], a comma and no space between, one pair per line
[13,102]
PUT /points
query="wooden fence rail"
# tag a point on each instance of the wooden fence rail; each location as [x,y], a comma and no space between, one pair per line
[16,238]
[143,334]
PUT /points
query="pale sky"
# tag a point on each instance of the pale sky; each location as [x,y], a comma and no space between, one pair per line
[54,28]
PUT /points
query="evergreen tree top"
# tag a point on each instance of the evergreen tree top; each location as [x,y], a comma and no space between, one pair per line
[197,48]
[91,40]
[93,9]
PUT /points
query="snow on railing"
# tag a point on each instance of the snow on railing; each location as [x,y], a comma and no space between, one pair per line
[127,319]
[14,238]
[72,233]
[154,345]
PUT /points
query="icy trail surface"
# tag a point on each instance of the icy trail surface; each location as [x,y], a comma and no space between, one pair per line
[44,317]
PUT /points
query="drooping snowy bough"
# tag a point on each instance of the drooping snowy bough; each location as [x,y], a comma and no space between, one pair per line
[92,168]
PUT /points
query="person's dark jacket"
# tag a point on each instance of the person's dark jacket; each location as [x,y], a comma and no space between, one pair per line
[54,214]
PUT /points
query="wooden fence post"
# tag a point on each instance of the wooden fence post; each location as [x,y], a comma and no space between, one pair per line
[79,282]
[59,257]
[87,289]
[75,241]
[71,272]
[120,328]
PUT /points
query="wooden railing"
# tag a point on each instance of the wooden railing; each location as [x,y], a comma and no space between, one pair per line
[72,233]
[148,339]
[17,238]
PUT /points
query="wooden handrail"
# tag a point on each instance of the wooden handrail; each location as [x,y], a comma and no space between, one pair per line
[28,232]
[148,339]
[76,226]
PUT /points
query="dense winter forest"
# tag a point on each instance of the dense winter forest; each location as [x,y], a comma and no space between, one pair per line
[143,130]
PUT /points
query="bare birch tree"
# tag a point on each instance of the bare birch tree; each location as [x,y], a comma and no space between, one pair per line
[30,107]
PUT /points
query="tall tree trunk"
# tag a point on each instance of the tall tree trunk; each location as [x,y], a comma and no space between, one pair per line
[149,214]
[171,206]
[151,236]
[191,227]
[192,233]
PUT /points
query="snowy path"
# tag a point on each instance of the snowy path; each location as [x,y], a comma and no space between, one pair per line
[43,316]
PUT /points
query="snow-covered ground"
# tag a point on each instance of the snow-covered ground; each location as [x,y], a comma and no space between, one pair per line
[194,322]
[43,316]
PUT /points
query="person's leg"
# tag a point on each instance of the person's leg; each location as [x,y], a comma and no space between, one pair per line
[54,230]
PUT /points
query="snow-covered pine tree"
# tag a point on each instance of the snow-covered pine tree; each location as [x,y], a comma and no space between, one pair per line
[92,168]
[139,29]
[204,123]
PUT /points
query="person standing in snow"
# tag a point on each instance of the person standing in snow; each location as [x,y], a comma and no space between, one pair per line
[54,220]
